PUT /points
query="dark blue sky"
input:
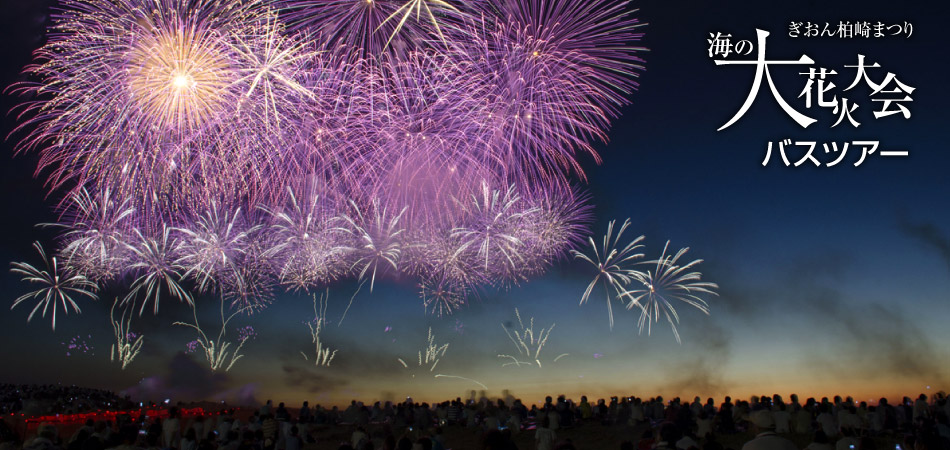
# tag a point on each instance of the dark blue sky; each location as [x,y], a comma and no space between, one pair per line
[824,272]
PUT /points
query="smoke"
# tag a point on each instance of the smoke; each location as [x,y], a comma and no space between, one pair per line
[870,340]
[186,380]
[929,235]
[311,379]
[702,373]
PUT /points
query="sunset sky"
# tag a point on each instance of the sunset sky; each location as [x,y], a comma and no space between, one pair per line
[833,280]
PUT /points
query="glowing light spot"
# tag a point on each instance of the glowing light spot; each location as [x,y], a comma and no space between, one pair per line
[181,81]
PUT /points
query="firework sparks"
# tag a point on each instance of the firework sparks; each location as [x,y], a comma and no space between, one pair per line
[128,344]
[97,230]
[78,344]
[323,355]
[614,265]
[440,375]
[666,282]
[492,235]
[57,286]
[379,240]
[219,353]
[343,23]
[155,259]
[271,68]
[179,75]
[430,356]
[210,249]
[434,139]
[308,244]
[432,8]
[528,343]
[441,296]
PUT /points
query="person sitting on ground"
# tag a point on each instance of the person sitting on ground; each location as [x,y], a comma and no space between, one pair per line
[848,442]
[820,442]
[669,434]
[766,438]
[358,437]
[646,441]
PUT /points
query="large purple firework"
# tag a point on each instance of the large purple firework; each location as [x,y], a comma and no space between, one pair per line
[236,146]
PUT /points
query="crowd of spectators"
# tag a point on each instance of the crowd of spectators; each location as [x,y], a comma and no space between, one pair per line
[766,422]
[43,399]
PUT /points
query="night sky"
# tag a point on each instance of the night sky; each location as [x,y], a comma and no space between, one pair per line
[833,280]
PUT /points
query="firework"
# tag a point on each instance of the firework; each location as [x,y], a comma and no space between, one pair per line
[271,78]
[370,27]
[212,246]
[128,344]
[165,102]
[378,236]
[323,356]
[57,286]
[415,145]
[441,296]
[343,23]
[218,352]
[308,243]
[554,223]
[431,354]
[440,375]
[431,8]
[250,286]
[491,235]
[97,231]
[77,344]
[156,261]
[556,73]
[614,264]
[528,343]
[656,289]
[242,146]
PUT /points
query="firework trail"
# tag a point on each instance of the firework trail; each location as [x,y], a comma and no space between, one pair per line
[667,281]
[462,378]
[323,356]
[57,286]
[431,354]
[219,353]
[128,344]
[528,343]
[614,264]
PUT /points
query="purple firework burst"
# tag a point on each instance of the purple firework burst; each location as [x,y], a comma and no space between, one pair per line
[238,147]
